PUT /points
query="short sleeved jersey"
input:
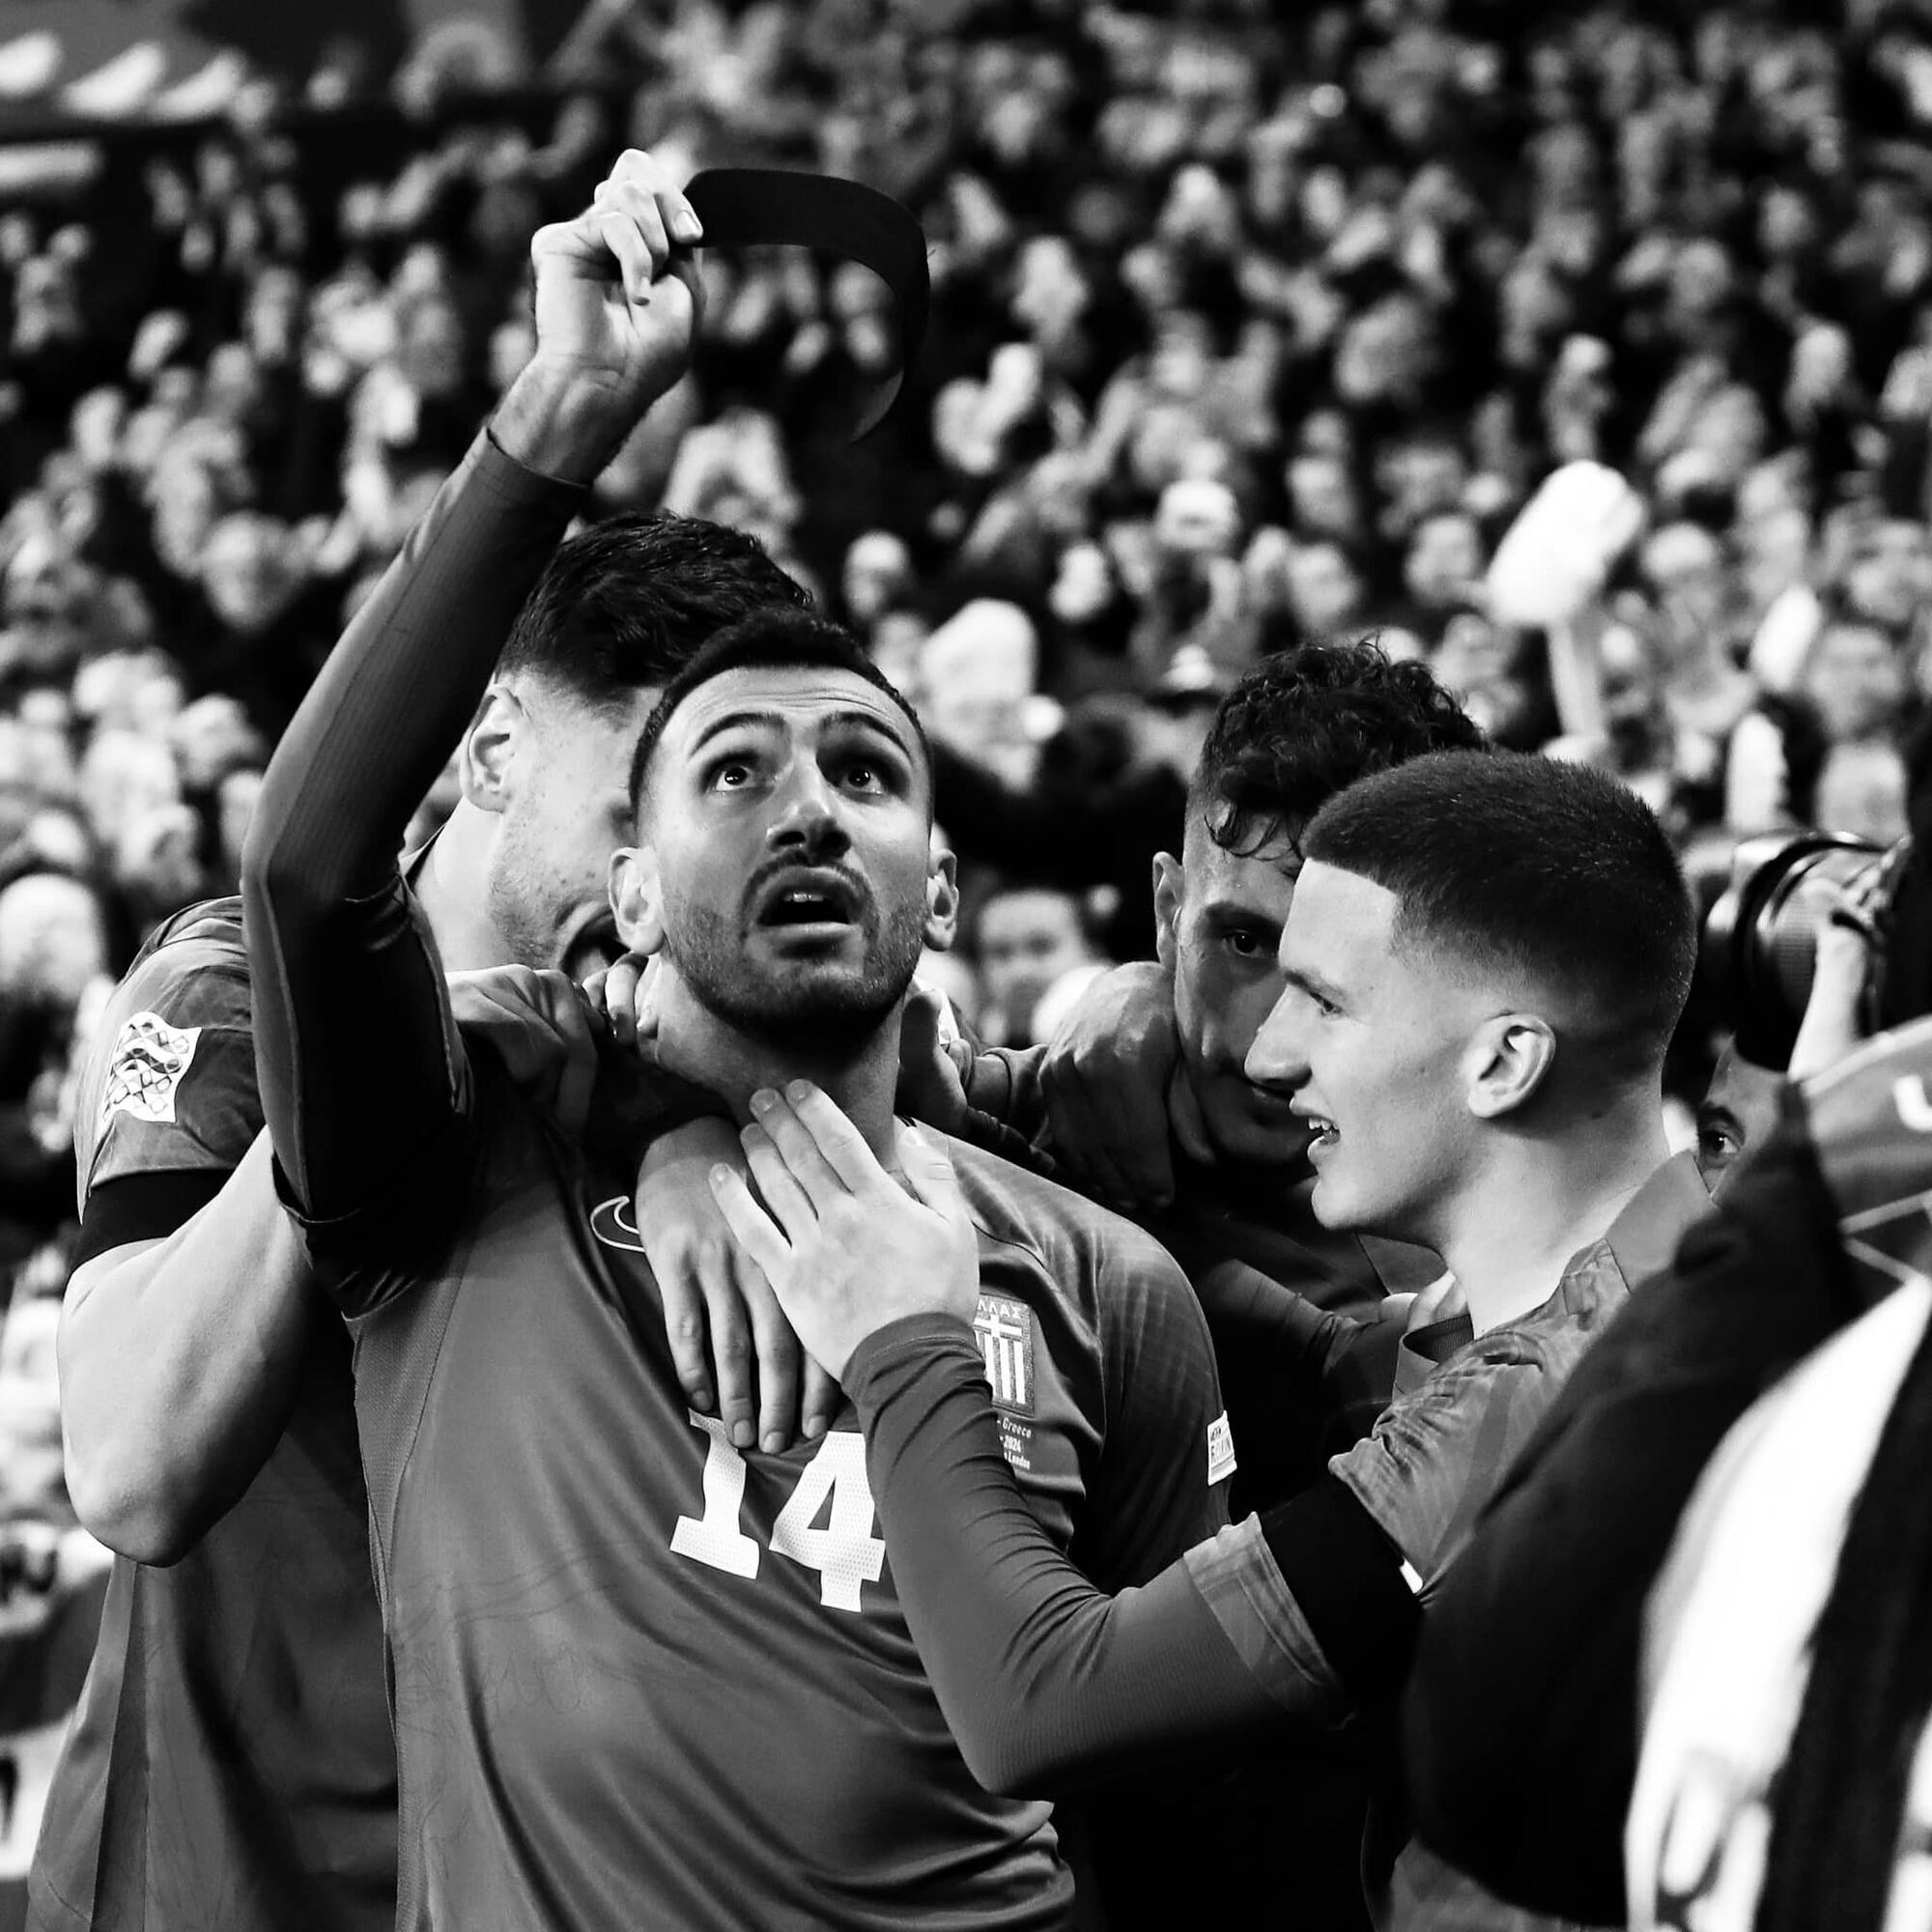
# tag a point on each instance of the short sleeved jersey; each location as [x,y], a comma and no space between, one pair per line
[231,1766]
[1441,1446]
[169,1081]
[641,1678]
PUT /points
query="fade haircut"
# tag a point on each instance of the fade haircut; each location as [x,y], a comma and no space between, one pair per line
[768,640]
[1301,726]
[625,605]
[1536,868]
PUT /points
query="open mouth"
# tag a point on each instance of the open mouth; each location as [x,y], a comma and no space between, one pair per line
[1324,1132]
[806,902]
[592,950]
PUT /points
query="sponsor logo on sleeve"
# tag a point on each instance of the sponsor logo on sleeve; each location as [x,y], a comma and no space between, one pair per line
[150,1059]
[1220,1449]
[1004,1328]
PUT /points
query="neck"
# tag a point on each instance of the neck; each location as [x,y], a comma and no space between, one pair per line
[861,1074]
[450,890]
[1540,1200]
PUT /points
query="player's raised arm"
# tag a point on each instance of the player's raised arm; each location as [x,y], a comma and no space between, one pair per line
[357,1060]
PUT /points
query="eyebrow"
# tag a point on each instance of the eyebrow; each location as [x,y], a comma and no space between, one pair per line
[774,721]
[1232,912]
[1313,984]
[732,721]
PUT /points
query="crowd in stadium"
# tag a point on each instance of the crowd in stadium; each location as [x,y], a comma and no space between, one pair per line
[1578,359]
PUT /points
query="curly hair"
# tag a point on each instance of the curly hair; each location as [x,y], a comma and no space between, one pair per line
[1306,723]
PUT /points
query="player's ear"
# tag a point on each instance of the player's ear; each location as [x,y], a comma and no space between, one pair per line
[636,898]
[486,755]
[1169,887]
[942,902]
[1508,1060]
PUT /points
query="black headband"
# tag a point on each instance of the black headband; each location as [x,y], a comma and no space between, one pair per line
[747,208]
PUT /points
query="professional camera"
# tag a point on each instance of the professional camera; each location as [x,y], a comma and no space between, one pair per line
[1760,941]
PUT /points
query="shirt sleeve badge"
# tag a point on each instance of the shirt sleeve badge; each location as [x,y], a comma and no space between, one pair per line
[150,1059]
[1220,1449]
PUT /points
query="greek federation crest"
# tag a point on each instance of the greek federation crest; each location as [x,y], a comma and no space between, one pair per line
[1004,1328]
[150,1059]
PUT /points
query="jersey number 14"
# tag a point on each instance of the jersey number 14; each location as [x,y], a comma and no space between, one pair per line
[843,1550]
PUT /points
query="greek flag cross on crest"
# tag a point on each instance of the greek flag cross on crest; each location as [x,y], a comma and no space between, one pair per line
[1004,1328]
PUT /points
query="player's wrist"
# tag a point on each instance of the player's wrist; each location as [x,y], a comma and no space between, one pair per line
[566,418]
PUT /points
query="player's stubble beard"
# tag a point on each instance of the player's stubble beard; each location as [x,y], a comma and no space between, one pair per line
[791,1003]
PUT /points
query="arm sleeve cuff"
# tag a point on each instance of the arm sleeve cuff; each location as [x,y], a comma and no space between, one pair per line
[1349,1582]
[914,1335]
[516,483]
[403,1229]
[1247,1596]
[144,1207]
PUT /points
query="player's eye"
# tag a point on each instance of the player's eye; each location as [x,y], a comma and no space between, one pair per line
[1245,944]
[862,775]
[730,775]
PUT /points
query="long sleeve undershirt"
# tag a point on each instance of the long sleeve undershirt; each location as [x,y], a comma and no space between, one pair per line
[1046,1680]
[358,1067]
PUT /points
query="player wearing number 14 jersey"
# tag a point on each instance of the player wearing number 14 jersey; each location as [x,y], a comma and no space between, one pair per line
[639,1677]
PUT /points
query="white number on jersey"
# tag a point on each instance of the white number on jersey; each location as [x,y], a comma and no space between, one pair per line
[715,1537]
[844,1552]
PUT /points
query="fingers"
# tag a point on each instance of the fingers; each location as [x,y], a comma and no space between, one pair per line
[635,260]
[683,1296]
[783,1194]
[751,1228]
[678,1223]
[818,1401]
[647,995]
[833,1136]
[626,207]
[929,1085]
[543,1030]
[636,219]
[731,1357]
[678,219]
[617,994]
[1848,932]
[798,1145]
[779,1360]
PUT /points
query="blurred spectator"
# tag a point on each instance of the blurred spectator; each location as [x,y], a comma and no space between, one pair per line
[1248,326]
[1034,960]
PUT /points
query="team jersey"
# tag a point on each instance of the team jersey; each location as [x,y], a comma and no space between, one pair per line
[230,1766]
[643,1678]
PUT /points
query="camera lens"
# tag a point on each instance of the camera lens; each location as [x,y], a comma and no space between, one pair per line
[1761,940]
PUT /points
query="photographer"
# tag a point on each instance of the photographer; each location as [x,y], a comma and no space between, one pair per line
[1546,1640]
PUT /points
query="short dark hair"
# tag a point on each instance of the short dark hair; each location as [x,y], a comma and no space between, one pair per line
[1536,866]
[771,639]
[1301,726]
[625,605]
